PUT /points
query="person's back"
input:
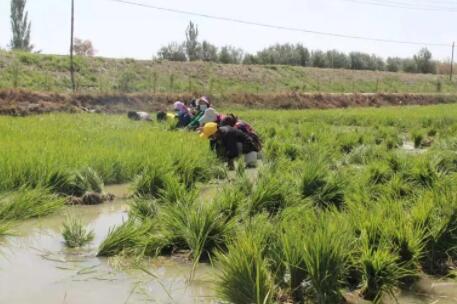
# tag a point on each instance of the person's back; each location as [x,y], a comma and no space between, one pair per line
[230,137]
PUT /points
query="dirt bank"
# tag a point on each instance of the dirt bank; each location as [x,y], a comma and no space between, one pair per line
[21,102]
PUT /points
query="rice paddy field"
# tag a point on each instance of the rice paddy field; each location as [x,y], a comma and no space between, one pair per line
[348,206]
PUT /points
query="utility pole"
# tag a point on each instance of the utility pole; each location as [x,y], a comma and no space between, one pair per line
[72,66]
[452,60]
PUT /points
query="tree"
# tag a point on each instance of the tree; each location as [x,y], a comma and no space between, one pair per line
[318,59]
[409,66]
[394,64]
[173,52]
[424,61]
[338,60]
[84,47]
[20,26]
[230,54]
[303,54]
[192,45]
[208,52]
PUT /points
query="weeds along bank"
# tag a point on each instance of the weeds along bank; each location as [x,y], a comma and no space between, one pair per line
[339,204]
[50,73]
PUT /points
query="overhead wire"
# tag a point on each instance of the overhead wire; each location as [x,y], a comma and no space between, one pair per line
[278,27]
[403,5]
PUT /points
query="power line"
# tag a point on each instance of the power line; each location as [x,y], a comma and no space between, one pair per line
[278,27]
[403,5]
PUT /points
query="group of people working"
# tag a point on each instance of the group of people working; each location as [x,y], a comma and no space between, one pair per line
[229,136]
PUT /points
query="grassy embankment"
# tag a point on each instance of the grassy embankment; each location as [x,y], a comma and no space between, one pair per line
[339,204]
[107,76]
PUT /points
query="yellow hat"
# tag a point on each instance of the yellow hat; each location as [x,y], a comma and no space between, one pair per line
[208,130]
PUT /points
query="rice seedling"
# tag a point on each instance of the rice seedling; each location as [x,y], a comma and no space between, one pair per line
[245,275]
[128,236]
[292,239]
[174,191]
[381,272]
[198,227]
[150,182]
[75,183]
[5,228]
[418,139]
[268,196]
[75,233]
[325,254]
[28,203]
[191,170]
[143,209]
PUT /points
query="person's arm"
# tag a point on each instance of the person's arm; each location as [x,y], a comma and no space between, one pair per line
[195,123]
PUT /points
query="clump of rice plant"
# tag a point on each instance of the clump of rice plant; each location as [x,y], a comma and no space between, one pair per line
[128,236]
[379,173]
[437,214]
[174,191]
[5,228]
[191,170]
[29,203]
[348,141]
[198,227]
[268,196]
[325,254]
[323,188]
[291,243]
[75,183]
[291,151]
[418,139]
[228,202]
[381,272]
[143,209]
[150,182]
[245,276]
[75,233]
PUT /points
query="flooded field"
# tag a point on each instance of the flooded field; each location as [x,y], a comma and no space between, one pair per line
[36,267]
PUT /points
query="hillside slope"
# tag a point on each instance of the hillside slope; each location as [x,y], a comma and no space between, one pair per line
[49,73]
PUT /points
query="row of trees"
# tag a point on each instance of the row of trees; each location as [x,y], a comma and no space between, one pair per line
[293,54]
[191,50]
[288,54]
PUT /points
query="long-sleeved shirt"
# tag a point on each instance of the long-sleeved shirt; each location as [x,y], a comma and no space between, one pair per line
[230,139]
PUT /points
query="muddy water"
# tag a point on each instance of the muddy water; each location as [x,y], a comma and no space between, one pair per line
[36,267]
[430,291]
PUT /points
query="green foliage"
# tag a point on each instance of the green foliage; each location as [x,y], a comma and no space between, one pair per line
[245,276]
[150,182]
[21,26]
[28,203]
[128,236]
[325,255]
[75,183]
[75,234]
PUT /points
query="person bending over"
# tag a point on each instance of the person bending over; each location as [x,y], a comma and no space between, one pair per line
[230,143]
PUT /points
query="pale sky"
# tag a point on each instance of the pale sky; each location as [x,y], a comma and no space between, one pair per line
[119,30]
